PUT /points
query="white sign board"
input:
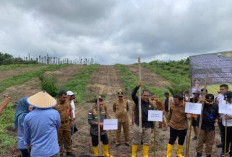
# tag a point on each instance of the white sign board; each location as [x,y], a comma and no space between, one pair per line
[225,108]
[155,115]
[193,108]
[110,124]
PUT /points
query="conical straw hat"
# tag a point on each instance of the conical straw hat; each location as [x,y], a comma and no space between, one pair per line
[42,100]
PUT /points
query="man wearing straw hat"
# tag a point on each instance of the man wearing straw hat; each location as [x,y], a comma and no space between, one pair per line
[121,108]
[147,126]
[94,119]
[41,125]
[64,133]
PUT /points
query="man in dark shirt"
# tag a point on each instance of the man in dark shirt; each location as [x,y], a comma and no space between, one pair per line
[207,131]
[147,126]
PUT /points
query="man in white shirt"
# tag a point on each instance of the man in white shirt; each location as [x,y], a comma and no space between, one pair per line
[70,97]
[227,121]
[223,88]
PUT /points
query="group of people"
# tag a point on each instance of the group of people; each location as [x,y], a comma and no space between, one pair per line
[44,125]
[174,116]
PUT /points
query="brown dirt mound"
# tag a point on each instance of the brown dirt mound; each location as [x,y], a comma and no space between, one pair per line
[148,77]
[9,73]
[33,85]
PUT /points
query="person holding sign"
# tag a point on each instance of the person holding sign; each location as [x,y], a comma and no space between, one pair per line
[158,104]
[227,124]
[93,121]
[121,108]
[178,124]
[207,130]
[195,121]
[147,126]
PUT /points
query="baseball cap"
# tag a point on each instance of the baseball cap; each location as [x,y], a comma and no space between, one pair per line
[228,95]
[70,93]
[120,93]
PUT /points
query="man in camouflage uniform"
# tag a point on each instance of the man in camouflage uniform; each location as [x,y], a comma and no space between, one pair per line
[121,108]
[93,117]
[64,132]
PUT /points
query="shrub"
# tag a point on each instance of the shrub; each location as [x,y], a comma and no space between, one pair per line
[49,84]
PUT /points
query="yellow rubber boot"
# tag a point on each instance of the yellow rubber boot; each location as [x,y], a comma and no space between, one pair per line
[95,151]
[169,150]
[105,150]
[134,150]
[179,151]
[145,150]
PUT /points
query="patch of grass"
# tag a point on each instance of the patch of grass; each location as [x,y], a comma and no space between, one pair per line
[80,81]
[176,72]
[17,66]
[6,120]
[49,84]
[131,81]
[23,77]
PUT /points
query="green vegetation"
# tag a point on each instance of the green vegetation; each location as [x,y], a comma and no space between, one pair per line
[131,81]
[7,120]
[17,66]
[23,77]
[80,81]
[6,59]
[177,72]
[49,84]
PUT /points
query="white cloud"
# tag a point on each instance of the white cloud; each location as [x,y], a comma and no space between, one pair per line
[115,31]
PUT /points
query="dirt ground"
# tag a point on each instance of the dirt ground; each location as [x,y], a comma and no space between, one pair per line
[148,77]
[9,73]
[32,86]
[107,80]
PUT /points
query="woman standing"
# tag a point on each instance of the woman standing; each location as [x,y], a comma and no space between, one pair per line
[22,110]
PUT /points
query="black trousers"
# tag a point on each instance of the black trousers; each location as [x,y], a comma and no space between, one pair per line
[228,139]
[104,139]
[177,133]
[24,153]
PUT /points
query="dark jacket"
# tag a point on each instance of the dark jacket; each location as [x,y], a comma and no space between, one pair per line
[210,113]
[145,106]
[93,118]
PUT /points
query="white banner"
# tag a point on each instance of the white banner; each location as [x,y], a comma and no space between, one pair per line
[225,108]
[193,108]
[110,124]
[155,115]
